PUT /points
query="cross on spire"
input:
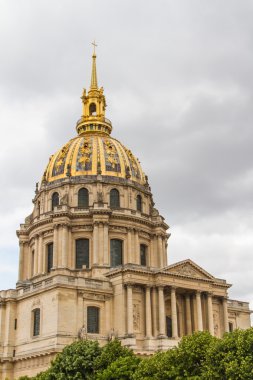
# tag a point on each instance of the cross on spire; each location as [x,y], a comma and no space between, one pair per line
[94,45]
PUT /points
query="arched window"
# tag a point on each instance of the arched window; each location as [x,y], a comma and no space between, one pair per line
[36,322]
[143,254]
[55,200]
[139,203]
[114,198]
[50,250]
[93,109]
[83,198]
[116,252]
[92,319]
[82,253]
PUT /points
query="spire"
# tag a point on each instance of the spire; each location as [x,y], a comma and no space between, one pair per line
[94,83]
[93,118]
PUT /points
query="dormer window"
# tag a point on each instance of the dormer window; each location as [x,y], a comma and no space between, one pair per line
[93,109]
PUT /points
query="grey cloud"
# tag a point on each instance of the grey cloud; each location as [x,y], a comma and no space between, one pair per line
[178,80]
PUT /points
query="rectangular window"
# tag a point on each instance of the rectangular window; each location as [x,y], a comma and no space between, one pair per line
[82,253]
[36,322]
[230,325]
[143,254]
[15,323]
[50,253]
[93,320]
[116,252]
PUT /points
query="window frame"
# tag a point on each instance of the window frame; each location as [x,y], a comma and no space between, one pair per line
[85,197]
[139,203]
[90,330]
[114,201]
[145,254]
[113,263]
[36,322]
[85,253]
[51,244]
[55,203]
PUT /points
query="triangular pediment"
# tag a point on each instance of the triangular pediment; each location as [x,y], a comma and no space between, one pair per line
[188,268]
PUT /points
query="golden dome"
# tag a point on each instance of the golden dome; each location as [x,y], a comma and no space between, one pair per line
[92,154]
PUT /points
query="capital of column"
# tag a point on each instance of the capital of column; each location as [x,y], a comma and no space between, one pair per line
[65,225]
[129,284]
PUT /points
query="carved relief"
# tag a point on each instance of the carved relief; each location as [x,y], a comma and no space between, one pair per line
[94,297]
[216,323]
[187,270]
[84,155]
[36,302]
[136,317]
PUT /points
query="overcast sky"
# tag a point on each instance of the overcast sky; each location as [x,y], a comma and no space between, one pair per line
[178,79]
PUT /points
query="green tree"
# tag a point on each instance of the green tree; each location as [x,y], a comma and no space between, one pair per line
[123,368]
[231,358]
[184,362]
[111,352]
[75,362]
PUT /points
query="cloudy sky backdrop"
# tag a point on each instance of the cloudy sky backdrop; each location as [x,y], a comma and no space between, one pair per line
[178,78]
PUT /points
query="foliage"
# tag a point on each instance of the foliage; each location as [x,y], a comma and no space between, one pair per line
[183,362]
[232,357]
[123,368]
[111,352]
[197,357]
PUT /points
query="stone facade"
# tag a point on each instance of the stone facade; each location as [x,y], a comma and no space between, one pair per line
[126,290]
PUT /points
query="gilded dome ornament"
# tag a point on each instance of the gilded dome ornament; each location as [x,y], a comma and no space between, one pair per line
[94,152]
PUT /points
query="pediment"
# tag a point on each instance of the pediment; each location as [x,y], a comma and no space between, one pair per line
[188,268]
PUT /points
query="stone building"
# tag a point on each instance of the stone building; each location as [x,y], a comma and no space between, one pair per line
[93,259]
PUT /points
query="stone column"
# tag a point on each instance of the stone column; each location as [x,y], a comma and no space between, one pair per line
[188,314]
[107,316]
[21,261]
[160,251]
[71,254]
[130,325]
[44,258]
[210,313]
[148,313]
[225,314]
[30,262]
[151,252]
[36,254]
[154,311]
[106,241]
[64,248]
[161,308]
[137,248]
[55,249]
[129,245]
[100,243]
[40,253]
[199,311]
[174,313]
[165,260]
[95,243]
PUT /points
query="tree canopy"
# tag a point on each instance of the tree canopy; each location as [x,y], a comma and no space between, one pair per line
[197,357]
